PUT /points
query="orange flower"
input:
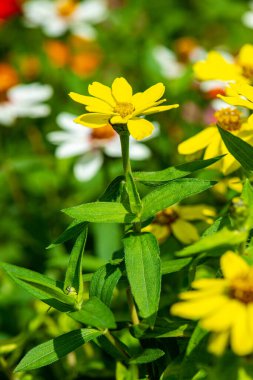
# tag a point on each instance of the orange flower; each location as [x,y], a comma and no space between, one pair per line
[8,77]
[58,52]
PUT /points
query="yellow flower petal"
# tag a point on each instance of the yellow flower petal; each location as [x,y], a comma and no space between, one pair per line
[152,110]
[140,128]
[245,56]
[223,318]
[97,105]
[214,147]
[200,308]
[184,231]
[160,232]
[205,283]
[197,294]
[119,120]
[250,318]
[92,120]
[143,100]
[229,164]
[121,90]
[241,339]
[102,92]
[218,342]
[232,265]
[197,142]
[198,212]
[236,101]
[80,98]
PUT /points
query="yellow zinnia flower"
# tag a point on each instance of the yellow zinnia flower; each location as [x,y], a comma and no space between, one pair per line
[209,138]
[224,306]
[117,105]
[175,220]
[239,94]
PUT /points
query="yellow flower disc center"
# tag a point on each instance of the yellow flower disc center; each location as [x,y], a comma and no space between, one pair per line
[124,109]
[66,7]
[229,119]
[166,217]
[103,133]
[242,289]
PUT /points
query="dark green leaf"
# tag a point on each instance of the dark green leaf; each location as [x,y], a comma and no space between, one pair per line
[54,349]
[94,313]
[133,195]
[73,277]
[171,193]
[103,212]
[241,150]
[143,268]
[40,286]
[71,232]
[147,356]
[113,191]
[174,172]
[104,281]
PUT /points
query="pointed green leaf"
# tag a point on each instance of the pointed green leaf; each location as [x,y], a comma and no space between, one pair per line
[133,195]
[174,172]
[94,313]
[222,238]
[171,193]
[54,349]
[113,191]
[40,286]
[143,268]
[241,150]
[104,281]
[71,232]
[171,266]
[73,277]
[147,356]
[103,212]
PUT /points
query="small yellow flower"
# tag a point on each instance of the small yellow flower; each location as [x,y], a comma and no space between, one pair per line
[226,184]
[118,105]
[210,139]
[175,220]
[224,306]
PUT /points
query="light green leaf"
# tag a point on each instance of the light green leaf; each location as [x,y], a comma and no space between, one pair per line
[133,195]
[222,238]
[171,266]
[94,313]
[143,268]
[104,281]
[147,356]
[40,286]
[247,196]
[171,193]
[174,172]
[102,212]
[54,349]
[241,150]
[73,277]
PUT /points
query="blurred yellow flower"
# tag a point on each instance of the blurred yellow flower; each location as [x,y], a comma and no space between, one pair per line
[118,105]
[224,306]
[209,138]
[175,220]
[223,186]
[239,94]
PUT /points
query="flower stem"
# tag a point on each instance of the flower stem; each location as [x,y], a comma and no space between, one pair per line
[116,344]
[124,140]
[132,308]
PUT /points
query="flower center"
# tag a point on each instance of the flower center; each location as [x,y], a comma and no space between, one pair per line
[166,217]
[124,109]
[103,133]
[242,289]
[66,7]
[229,119]
[247,71]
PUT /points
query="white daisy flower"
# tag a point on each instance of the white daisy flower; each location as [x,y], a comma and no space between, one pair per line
[25,100]
[57,17]
[90,144]
[168,63]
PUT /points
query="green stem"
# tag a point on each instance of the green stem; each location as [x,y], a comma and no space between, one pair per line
[124,140]
[116,344]
[132,308]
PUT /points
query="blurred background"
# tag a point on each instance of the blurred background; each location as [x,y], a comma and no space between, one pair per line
[47,49]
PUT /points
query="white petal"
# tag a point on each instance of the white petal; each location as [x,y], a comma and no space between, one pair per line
[65,121]
[247,19]
[33,111]
[58,137]
[167,61]
[93,11]
[218,104]
[84,30]
[197,54]
[29,93]
[88,166]
[7,114]
[38,11]
[113,148]
[139,152]
[209,85]
[55,27]
[72,148]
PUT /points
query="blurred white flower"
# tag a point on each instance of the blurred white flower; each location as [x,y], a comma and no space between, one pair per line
[90,144]
[247,17]
[168,63]
[57,17]
[25,100]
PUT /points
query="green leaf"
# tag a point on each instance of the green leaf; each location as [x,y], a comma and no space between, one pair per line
[241,150]
[104,281]
[222,238]
[147,356]
[103,212]
[143,268]
[171,193]
[133,195]
[113,191]
[40,286]
[95,313]
[73,277]
[71,232]
[164,328]
[174,172]
[247,196]
[171,266]
[54,349]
